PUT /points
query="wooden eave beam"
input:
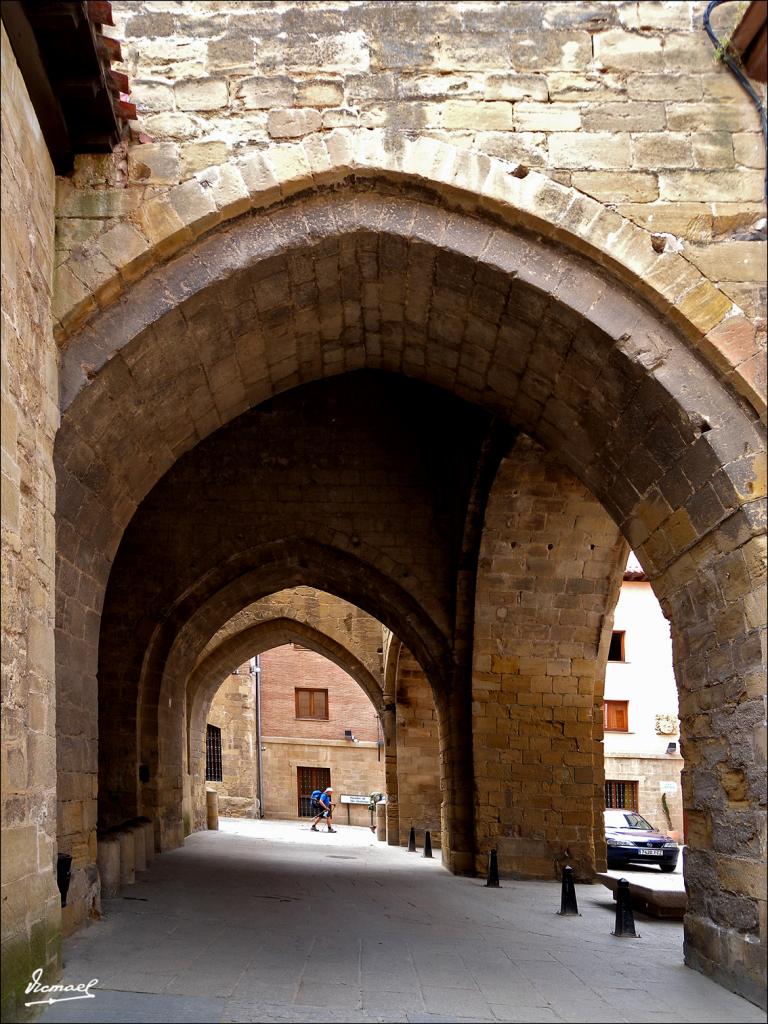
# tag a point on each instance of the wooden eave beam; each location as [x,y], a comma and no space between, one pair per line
[750,40]
[47,108]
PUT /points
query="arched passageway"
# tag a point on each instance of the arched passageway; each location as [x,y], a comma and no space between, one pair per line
[206,681]
[274,315]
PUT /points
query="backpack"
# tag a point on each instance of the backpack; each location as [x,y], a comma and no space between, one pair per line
[315,798]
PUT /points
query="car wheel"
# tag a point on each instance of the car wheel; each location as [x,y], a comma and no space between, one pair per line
[667,868]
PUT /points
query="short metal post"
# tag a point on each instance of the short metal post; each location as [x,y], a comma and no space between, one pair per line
[427,845]
[412,840]
[568,907]
[63,875]
[625,919]
[493,872]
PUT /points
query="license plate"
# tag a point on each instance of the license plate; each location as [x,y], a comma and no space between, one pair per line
[650,853]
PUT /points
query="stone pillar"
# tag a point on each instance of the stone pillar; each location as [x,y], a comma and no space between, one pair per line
[418,752]
[390,774]
[127,856]
[149,838]
[551,563]
[454,716]
[139,847]
[212,809]
[718,615]
[381,821]
[108,859]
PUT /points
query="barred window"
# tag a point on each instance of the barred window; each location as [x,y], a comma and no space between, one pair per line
[621,795]
[213,754]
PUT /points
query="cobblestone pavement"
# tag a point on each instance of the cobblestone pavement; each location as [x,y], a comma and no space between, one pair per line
[265,921]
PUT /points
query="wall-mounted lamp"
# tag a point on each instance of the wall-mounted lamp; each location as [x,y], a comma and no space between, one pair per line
[671,748]
[348,735]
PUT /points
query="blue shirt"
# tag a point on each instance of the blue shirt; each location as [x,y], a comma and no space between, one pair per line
[325,800]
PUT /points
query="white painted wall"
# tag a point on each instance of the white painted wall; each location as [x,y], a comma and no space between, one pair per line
[646,678]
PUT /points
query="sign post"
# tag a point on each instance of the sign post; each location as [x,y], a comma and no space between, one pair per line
[349,799]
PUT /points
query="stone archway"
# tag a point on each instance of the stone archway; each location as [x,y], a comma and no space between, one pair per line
[521,198]
[650,420]
[234,650]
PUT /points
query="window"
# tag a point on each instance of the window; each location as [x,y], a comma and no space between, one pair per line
[616,716]
[621,794]
[212,754]
[311,703]
[616,650]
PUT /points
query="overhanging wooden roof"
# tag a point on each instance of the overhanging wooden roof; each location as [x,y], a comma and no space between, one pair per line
[65,60]
[750,40]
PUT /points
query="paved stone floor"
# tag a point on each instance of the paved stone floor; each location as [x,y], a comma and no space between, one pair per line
[265,921]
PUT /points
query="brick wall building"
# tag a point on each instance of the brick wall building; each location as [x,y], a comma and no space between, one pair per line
[307,706]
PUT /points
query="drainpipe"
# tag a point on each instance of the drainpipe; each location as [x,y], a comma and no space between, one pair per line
[727,56]
[256,673]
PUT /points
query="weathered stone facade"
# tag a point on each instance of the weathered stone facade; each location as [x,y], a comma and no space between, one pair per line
[31,907]
[233,711]
[623,101]
[546,214]
[649,773]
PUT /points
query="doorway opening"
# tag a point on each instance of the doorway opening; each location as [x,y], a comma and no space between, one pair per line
[307,781]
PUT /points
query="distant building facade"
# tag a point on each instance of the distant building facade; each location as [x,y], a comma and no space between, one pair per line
[318,729]
[643,762]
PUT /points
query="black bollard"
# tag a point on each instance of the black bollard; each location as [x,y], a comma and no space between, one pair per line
[625,919]
[493,872]
[568,907]
[63,874]
[412,840]
[427,844]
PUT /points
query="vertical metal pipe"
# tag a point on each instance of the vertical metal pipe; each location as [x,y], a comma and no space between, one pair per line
[256,672]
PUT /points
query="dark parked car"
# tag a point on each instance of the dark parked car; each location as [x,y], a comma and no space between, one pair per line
[632,840]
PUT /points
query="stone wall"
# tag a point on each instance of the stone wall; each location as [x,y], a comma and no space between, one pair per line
[234,712]
[355,769]
[418,753]
[649,772]
[31,906]
[623,101]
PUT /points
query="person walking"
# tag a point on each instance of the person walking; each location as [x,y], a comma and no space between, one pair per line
[325,807]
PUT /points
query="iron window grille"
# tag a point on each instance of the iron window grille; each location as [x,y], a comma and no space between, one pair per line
[621,795]
[213,754]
